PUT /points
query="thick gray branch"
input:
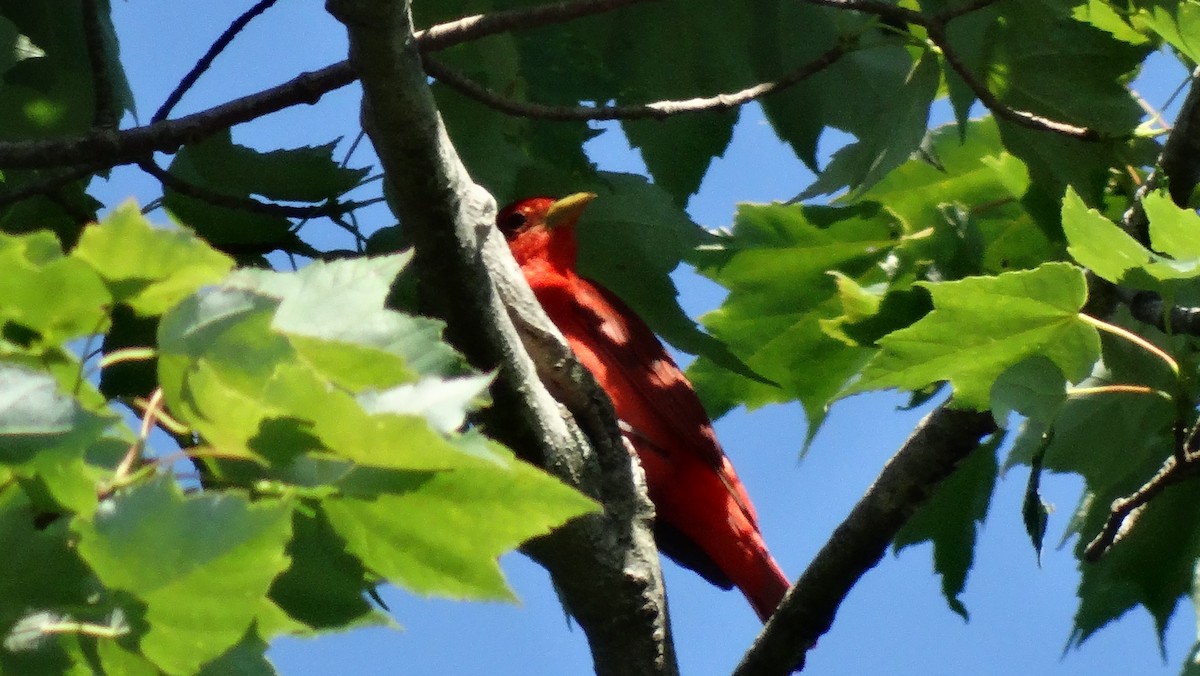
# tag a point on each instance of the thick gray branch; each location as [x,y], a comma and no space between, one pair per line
[605,567]
[941,440]
[1178,165]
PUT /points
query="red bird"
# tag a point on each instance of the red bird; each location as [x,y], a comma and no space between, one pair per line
[704,517]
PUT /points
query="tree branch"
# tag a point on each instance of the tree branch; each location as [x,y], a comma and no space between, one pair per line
[940,441]
[659,110]
[605,566]
[218,46]
[1123,515]
[105,149]
[330,208]
[1179,166]
[937,34]
[935,27]
[108,149]
[469,28]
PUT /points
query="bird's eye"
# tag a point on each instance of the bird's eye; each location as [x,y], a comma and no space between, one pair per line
[511,222]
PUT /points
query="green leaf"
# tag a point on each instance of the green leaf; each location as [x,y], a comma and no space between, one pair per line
[1100,245]
[980,326]
[51,91]
[341,304]
[197,567]
[222,167]
[318,553]
[1172,228]
[776,266]
[1178,23]
[1102,15]
[630,239]
[1033,387]
[1153,565]
[1034,512]
[248,389]
[16,47]
[869,313]
[65,214]
[54,297]
[150,269]
[443,403]
[43,574]
[307,174]
[1116,440]
[856,94]
[247,658]
[707,44]
[116,661]
[862,164]
[44,435]
[951,518]
[969,190]
[129,378]
[441,532]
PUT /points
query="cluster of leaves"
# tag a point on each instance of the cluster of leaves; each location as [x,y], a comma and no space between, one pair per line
[950,257]
[316,418]
[326,447]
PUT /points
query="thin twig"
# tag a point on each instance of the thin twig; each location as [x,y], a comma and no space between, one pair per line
[47,184]
[935,27]
[1122,517]
[238,202]
[953,13]
[937,35]
[206,61]
[131,145]
[658,110]
[470,28]
[135,449]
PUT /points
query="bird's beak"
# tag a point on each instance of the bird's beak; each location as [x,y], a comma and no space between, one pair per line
[567,210]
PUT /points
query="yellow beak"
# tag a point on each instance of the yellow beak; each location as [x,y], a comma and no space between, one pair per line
[567,210]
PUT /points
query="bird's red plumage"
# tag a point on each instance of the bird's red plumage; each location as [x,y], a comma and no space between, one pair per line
[705,518]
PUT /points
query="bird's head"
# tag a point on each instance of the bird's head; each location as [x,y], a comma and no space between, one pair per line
[543,227]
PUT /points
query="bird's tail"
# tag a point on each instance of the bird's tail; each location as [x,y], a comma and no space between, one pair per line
[767,590]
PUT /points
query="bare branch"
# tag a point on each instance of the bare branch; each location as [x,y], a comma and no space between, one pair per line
[108,149]
[205,61]
[937,34]
[470,28]
[1122,518]
[941,440]
[238,202]
[953,13]
[47,184]
[659,110]
[1149,307]
[605,565]
[935,27]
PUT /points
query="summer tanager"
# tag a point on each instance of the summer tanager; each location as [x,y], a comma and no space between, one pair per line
[704,517]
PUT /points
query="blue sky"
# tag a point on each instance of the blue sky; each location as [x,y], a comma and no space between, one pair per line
[894,622]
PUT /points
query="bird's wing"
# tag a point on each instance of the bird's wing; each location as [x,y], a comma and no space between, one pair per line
[649,391]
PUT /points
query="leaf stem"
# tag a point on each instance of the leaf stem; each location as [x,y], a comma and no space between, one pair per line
[1135,339]
[1110,389]
[127,354]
